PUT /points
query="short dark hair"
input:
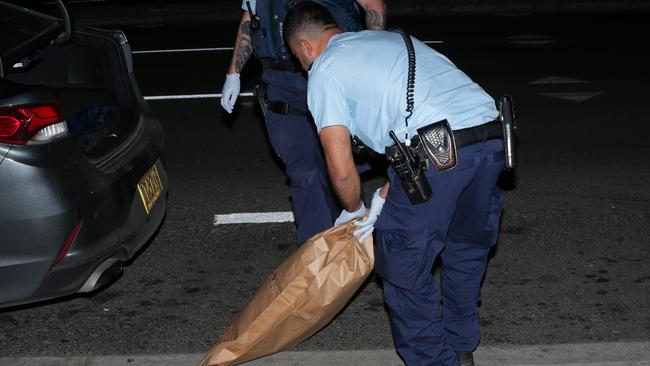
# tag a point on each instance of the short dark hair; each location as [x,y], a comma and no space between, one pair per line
[307,17]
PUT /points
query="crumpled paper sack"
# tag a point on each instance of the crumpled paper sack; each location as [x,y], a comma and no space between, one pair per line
[299,298]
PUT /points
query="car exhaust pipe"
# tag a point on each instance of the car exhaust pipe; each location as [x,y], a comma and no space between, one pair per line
[106,272]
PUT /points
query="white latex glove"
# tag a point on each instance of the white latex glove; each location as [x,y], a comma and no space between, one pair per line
[230,92]
[346,216]
[367,226]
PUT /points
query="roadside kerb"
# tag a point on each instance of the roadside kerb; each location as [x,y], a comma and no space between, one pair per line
[589,354]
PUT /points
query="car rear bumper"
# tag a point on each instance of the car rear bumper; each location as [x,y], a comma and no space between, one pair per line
[99,268]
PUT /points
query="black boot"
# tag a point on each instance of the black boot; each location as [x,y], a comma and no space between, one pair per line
[465,358]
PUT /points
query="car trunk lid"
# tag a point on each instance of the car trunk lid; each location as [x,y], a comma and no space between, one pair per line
[24,32]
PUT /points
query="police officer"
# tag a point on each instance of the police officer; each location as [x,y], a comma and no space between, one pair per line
[289,125]
[357,86]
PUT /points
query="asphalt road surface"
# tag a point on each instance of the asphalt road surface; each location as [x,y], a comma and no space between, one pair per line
[571,263]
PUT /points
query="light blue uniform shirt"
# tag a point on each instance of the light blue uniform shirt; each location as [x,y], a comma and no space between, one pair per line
[359,81]
[253,3]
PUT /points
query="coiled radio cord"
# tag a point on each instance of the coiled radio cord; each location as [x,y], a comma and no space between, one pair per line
[410,83]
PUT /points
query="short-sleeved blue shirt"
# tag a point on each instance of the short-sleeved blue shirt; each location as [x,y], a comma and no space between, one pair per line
[253,3]
[359,81]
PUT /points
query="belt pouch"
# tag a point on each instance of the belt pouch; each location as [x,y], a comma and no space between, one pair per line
[437,141]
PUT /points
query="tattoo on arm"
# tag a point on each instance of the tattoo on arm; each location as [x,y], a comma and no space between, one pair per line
[375,20]
[244,49]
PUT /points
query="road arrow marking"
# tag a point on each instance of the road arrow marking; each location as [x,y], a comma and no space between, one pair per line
[253,218]
[554,79]
[573,96]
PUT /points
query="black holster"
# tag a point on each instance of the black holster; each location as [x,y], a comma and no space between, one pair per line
[259,91]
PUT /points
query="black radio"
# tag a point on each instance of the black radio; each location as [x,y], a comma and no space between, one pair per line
[410,170]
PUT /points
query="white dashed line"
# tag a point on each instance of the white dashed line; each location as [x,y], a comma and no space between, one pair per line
[190,96]
[253,218]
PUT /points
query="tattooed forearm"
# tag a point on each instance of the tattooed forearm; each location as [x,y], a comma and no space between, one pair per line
[244,48]
[375,19]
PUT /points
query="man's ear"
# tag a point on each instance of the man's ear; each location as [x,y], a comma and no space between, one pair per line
[306,47]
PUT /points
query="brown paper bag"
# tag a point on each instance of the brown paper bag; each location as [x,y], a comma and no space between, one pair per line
[299,298]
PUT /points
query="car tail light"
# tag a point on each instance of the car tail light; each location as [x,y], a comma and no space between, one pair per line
[36,123]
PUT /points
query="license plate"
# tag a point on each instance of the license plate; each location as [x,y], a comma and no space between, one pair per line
[150,187]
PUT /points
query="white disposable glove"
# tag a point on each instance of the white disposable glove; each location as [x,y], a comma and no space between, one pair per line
[230,91]
[367,226]
[346,216]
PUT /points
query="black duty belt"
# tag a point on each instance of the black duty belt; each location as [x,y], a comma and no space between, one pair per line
[287,109]
[481,133]
[283,65]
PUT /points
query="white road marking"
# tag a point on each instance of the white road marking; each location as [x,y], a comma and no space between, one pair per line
[554,79]
[573,96]
[211,49]
[253,218]
[190,96]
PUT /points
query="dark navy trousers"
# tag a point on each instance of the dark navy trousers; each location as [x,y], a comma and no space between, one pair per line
[295,140]
[460,224]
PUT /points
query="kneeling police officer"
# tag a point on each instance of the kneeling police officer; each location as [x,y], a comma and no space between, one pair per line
[443,136]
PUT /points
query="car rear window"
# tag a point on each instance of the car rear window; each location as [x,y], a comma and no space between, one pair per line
[24,30]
